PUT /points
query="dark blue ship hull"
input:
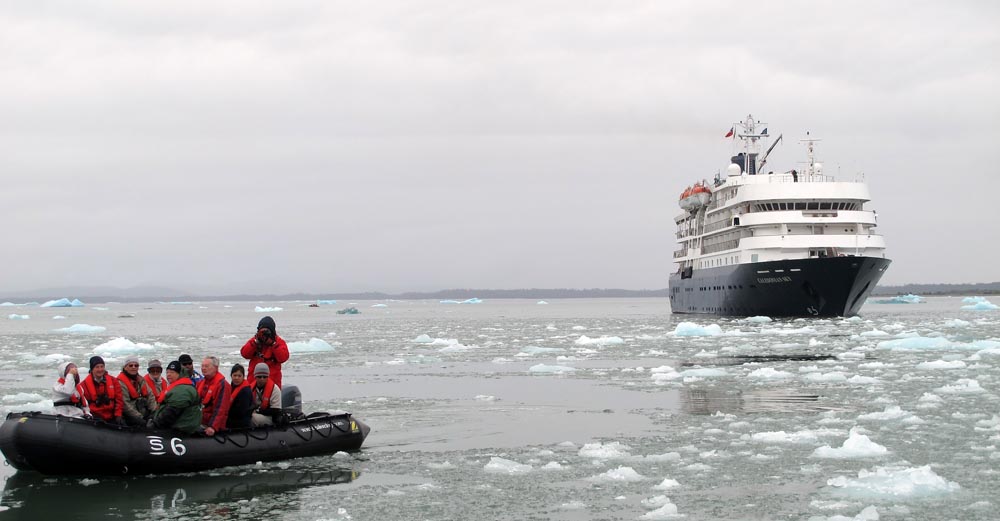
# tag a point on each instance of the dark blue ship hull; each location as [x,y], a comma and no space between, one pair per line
[819,287]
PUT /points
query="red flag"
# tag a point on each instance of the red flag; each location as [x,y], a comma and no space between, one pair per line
[730,133]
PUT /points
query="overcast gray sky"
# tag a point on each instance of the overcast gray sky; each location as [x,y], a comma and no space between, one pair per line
[417,145]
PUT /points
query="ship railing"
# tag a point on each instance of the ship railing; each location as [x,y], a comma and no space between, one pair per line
[680,253]
[725,223]
[722,246]
[800,178]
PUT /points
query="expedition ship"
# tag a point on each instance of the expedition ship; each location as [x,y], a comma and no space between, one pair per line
[795,243]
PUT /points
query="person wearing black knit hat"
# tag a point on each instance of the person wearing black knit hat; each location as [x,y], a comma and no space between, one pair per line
[188,370]
[180,408]
[103,393]
[266,347]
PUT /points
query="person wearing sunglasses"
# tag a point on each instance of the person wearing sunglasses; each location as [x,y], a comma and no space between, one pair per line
[154,377]
[188,370]
[266,347]
[138,400]
[266,398]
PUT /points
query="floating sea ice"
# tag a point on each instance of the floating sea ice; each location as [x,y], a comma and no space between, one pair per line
[259,309]
[909,298]
[706,372]
[769,373]
[62,303]
[853,319]
[584,340]
[551,369]
[325,302]
[618,475]
[506,466]
[962,386]
[655,501]
[449,301]
[667,511]
[541,303]
[611,450]
[874,333]
[869,513]
[423,339]
[81,328]
[659,458]
[380,305]
[692,329]
[314,345]
[973,300]
[856,445]
[941,364]
[451,345]
[894,482]
[833,376]
[956,322]
[15,316]
[5,304]
[573,505]
[784,437]
[807,330]
[667,484]
[985,305]
[121,346]
[485,398]
[758,319]
[472,300]
[914,343]
[662,374]
[88,482]
[441,466]
[552,465]
[892,412]
[58,317]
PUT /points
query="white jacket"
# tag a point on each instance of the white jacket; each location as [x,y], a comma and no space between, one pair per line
[66,390]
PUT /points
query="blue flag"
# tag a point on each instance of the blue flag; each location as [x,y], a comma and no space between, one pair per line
[764,132]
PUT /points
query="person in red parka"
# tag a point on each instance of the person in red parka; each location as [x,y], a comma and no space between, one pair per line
[266,347]
[103,393]
[214,393]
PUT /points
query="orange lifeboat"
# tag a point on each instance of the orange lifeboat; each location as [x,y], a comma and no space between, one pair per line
[695,197]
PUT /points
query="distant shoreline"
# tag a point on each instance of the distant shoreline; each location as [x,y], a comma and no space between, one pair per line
[130,295]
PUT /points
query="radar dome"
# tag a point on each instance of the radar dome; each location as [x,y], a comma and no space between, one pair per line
[733,169]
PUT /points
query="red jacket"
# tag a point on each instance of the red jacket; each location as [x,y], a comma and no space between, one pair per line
[214,394]
[111,404]
[274,355]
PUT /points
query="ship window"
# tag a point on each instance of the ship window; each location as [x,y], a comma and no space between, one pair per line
[824,206]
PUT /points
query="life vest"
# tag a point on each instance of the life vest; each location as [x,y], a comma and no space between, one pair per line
[180,381]
[152,387]
[265,399]
[90,388]
[111,407]
[206,388]
[235,390]
[131,387]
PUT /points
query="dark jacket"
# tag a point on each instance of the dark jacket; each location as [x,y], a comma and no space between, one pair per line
[180,408]
[240,407]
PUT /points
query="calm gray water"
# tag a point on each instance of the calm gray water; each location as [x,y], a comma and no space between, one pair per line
[575,409]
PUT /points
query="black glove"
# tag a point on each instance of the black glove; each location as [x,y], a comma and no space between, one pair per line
[88,417]
[150,424]
[119,421]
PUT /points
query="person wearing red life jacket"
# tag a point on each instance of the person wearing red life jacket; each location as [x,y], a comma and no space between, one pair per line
[214,393]
[266,398]
[68,397]
[103,393]
[241,400]
[138,401]
[179,407]
[154,377]
[268,348]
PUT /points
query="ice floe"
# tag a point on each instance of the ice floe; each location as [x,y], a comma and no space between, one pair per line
[584,340]
[618,475]
[785,437]
[667,511]
[894,482]
[122,346]
[380,305]
[758,319]
[62,303]
[909,298]
[541,303]
[667,484]
[856,445]
[82,328]
[769,373]
[985,305]
[506,466]
[314,345]
[941,364]
[703,372]
[269,309]
[550,369]
[423,339]
[692,329]
[533,350]
[611,450]
[956,322]
[962,386]
[325,302]
[15,316]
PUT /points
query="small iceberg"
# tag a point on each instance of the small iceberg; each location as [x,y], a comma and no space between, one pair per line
[82,328]
[973,300]
[541,303]
[63,303]
[533,350]
[856,445]
[584,340]
[909,298]
[348,311]
[610,450]
[122,346]
[692,329]
[423,339]
[450,302]
[472,300]
[618,475]
[550,369]
[981,305]
[506,466]
[260,309]
[326,302]
[314,345]
[15,316]
[894,483]
[757,320]
[380,305]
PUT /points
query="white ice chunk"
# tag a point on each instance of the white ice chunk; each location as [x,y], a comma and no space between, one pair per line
[874,333]
[380,305]
[785,437]
[915,343]
[856,445]
[962,386]
[551,369]
[667,484]
[692,329]
[655,501]
[62,303]
[15,316]
[485,398]
[894,483]
[705,372]
[269,309]
[541,303]
[941,364]
[891,413]
[423,339]
[758,319]
[769,373]
[314,345]
[325,302]
[122,346]
[533,350]
[618,475]
[973,300]
[833,376]
[584,340]
[956,322]
[667,511]
[552,465]
[82,328]
[981,305]
[506,466]
[909,298]
[612,450]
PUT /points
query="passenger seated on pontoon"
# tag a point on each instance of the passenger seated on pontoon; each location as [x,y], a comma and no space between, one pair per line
[241,405]
[266,398]
[68,397]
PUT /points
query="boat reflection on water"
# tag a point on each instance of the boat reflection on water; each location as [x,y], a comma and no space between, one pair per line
[711,401]
[33,496]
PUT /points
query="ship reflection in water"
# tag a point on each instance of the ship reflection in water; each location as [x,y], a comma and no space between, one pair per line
[34,496]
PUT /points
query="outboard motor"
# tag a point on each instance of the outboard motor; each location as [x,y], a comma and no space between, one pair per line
[291,401]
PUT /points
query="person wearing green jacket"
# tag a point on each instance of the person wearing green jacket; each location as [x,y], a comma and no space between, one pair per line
[180,408]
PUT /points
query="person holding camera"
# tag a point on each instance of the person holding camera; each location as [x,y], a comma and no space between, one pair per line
[268,348]
[103,393]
